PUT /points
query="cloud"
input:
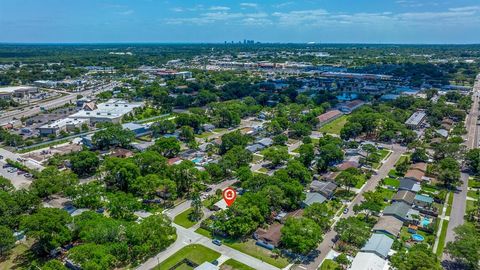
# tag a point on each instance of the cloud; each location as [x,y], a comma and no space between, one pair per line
[126,12]
[321,18]
[178,9]
[249,5]
[219,8]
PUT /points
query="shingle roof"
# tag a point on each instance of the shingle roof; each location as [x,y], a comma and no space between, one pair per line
[405,196]
[409,184]
[397,209]
[368,261]
[323,187]
[388,224]
[379,244]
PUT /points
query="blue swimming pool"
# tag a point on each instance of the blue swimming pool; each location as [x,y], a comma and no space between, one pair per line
[197,160]
[417,237]
[426,221]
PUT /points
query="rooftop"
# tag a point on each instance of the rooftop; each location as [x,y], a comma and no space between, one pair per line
[379,244]
[416,118]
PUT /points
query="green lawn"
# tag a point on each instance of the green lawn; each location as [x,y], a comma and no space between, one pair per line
[470,205]
[402,159]
[249,247]
[386,193]
[218,130]
[232,264]
[335,126]
[393,173]
[473,183]
[262,170]
[449,204]
[257,158]
[441,239]
[204,135]
[20,256]
[383,153]
[360,183]
[473,194]
[183,220]
[392,182]
[329,265]
[195,253]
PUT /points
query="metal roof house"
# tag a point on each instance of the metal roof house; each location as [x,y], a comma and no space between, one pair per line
[398,210]
[423,200]
[379,244]
[313,197]
[368,261]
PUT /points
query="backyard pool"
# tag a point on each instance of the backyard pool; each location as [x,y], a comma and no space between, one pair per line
[197,160]
[425,222]
[417,237]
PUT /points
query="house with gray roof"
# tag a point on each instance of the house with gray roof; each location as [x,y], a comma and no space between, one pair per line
[388,225]
[313,197]
[409,184]
[405,196]
[266,142]
[398,210]
[379,244]
[325,188]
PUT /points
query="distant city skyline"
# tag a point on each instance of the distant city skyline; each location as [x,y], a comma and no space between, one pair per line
[214,21]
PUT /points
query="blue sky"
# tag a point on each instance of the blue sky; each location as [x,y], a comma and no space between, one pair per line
[324,21]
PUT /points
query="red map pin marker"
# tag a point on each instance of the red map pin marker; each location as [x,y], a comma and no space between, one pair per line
[229,195]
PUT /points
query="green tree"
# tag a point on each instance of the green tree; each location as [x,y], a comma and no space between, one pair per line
[49,226]
[466,247]
[7,240]
[151,162]
[187,134]
[112,136]
[52,181]
[373,203]
[197,206]
[235,138]
[418,257]
[307,154]
[92,256]
[448,171]
[84,163]
[122,205]
[353,230]
[88,195]
[301,235]
[419,155]
[277,155]
[321,213]
[6,185]
[120,173]
[473,160]
[167,147]
[54,265]
[162,127]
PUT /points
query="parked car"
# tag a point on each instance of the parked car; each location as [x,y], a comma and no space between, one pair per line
[345,211]
[217,242]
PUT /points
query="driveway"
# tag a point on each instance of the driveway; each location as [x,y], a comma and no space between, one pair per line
[327,244]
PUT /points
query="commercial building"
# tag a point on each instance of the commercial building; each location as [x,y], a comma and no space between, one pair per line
[66,124]
[328,117]
[110,112]
[416,120]
[17,91]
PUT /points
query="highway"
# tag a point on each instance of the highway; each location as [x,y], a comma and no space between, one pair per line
[9,116]
[460,196]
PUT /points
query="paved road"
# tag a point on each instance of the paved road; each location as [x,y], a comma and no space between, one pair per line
[9,116]
[460,196]
[189,236]
[327,244]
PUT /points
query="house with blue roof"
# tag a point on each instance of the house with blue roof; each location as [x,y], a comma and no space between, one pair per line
[378,244]
[423,200]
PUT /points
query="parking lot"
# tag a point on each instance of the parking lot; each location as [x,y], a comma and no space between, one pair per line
[18,178]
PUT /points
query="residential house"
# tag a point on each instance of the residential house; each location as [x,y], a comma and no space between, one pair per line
[266,142]
[368,261]
[388,225]
[207,266]
[255,147]
[208,127]
[423,200]
[138,129]
[447,123]
[348,164]
[121,153]
[270,236]
[415,174]
[405,196]
[409,184]
[313,197]
[378,244]
[325,188]
[398,210]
